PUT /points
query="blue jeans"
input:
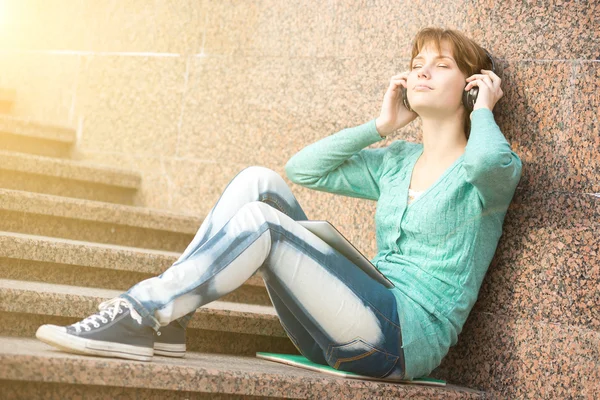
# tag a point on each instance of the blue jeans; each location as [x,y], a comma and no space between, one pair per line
[333,312]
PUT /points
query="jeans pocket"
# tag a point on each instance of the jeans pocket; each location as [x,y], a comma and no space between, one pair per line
[361,358]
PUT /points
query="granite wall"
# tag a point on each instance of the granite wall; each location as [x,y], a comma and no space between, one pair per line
[191,92]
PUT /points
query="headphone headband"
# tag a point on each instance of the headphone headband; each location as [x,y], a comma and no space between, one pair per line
[491,60]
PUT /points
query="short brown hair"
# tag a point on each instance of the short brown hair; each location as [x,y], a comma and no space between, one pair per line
[470,57]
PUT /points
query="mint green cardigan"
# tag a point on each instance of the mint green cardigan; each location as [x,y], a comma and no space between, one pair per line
[436,250]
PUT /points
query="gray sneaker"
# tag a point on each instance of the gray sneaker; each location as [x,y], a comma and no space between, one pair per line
[115,331]
[170,340]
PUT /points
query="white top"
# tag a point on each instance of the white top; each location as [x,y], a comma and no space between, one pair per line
[413,194]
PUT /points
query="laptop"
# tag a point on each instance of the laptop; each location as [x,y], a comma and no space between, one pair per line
[330,235]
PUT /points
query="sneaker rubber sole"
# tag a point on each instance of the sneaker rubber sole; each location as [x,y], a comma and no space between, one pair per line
[58,337]
[169,349]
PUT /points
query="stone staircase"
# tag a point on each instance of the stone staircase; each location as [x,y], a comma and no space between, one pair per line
[71,237]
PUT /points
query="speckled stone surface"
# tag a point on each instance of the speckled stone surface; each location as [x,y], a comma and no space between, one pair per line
[269,28]
[69,169]
[553,125]
[287,114]
[221,342]
[111,88]
[538,29]
[183,185]
[547,264]
[65,251]
[73,275]
[383,29]
[523,358]
[25,324]
[58,186]
[29,127]
[584,163]
[241,139]
[94,221]
[10,390]
[34,137]
[101,232]
[80,302]
[67,178]
[95,211]
[29,145]
[27,359]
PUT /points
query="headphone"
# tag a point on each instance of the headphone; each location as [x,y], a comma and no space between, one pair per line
[468,98]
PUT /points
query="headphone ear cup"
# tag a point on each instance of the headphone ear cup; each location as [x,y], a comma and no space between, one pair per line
[405,98]
[470,97]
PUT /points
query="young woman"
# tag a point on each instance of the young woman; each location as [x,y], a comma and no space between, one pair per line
[440,211]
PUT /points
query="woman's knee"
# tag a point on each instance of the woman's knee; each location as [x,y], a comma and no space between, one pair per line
[256,211]
[259,173]
[265,185]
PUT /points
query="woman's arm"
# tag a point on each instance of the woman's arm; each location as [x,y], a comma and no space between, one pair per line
[491,165]
[340,164]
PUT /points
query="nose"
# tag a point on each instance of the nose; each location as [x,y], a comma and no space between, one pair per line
[423,72]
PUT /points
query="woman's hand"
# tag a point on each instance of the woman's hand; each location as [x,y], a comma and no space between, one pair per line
[489,89]
[394,115]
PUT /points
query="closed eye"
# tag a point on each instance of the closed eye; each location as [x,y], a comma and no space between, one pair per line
[442,66]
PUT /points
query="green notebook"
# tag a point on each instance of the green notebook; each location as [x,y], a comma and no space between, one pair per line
[303,362]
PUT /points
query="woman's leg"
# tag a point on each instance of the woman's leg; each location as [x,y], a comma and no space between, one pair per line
[256,184]
[320,296]
[250,185]
[332,310]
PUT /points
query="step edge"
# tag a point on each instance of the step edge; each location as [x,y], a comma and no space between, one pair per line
[66,134]
[120,214]
[69,169]
[68,291]
[313,382]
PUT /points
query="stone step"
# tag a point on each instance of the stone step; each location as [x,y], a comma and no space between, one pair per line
[217,327]
[64,261]
[26,135]
[95,221]
[67,178]
[80,302]
[31,369]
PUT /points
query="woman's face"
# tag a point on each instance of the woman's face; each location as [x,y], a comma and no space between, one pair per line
[435,82]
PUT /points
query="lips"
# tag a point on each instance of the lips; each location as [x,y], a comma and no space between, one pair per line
[422,87]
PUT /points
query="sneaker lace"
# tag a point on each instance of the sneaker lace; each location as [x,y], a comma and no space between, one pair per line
[108,310]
